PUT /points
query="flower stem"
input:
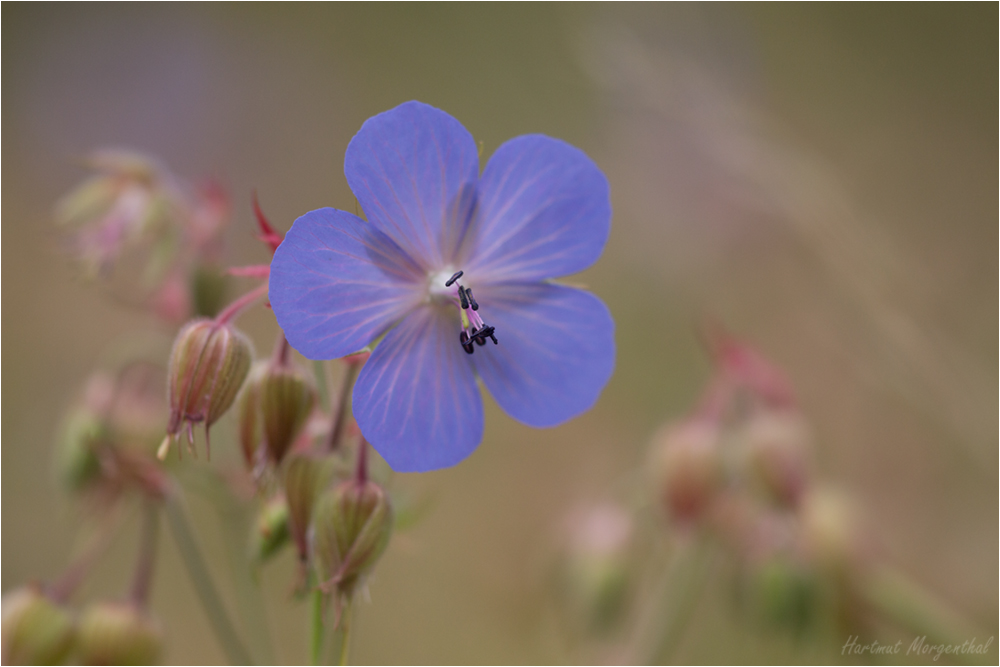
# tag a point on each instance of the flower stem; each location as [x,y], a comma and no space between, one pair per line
[897,598]
[345,631]
[143,577]
[340,408]
[322,386]
[317,627]
[677,596]
[224,630]
[63,588]
[236,307]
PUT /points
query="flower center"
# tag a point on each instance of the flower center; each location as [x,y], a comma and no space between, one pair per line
[474,330]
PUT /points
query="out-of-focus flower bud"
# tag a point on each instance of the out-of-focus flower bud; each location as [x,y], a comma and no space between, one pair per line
[271,529]
[208,365]
[777,449]
[781,592]
[830,532]
[118,633]
[687,467]
[273,409]
[208,290]
[35,629]
[77,462]
[594,574]
[304,477]
[351,526]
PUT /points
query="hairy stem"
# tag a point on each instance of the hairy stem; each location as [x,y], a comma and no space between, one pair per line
[64,586]
[345,631]
[236,307]
[340,408]
[143,577]
[317,627]
[218,618]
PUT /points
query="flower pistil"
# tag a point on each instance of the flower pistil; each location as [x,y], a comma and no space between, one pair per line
[474,328]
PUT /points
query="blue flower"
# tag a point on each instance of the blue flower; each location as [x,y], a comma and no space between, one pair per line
[454,268]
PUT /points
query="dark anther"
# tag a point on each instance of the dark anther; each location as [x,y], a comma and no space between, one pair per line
[466,343]
[484,333]
[462,297]
[455,277]
[468,293]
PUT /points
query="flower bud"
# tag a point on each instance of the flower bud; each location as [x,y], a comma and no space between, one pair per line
[271,529]
[351,526]
[304,477]
[782,593]
[208,365]
[688,468]
[118,633]
[273,408]
[36,630]
[595,568]
[77,462]
[830,532]
[777,445]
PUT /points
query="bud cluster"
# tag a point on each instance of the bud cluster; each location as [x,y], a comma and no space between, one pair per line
[740,468]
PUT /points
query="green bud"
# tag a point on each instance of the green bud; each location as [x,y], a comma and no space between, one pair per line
[782,593]
[273,408]
[208,365]
[595,570]
[351,527]
[271,529]
[688,468]
[36,630]
[77,464]
[118,633]
[304,477]
[208,290]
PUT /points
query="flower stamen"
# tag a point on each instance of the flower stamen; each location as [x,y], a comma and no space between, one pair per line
[474,328]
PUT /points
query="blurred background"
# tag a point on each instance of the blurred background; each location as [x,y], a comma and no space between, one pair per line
[820,180]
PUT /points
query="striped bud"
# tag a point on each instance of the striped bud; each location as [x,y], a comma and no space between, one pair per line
[273,408]
[303,480]
[208,365]
[777,446]
[118,633]
[351,526]
[36,630]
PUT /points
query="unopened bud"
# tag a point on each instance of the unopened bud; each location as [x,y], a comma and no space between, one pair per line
[595,569]
[271,529]
[304,477]
[208,364]
[118,633]
[688,468]
[830,531]
[77,462]
[208,290]
[351,526]
[777,447]
[273,408]
[782,593]
[36,630]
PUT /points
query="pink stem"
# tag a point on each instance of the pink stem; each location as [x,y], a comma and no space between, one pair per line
[234,309]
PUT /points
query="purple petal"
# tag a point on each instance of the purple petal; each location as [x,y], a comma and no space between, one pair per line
[416,399]
[337,283]
[414,170]
[544,211]
[556,350]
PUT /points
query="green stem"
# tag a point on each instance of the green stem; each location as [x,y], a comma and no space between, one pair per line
[317,628]
[322,386]
[678,597]
[345,631]
[340,409]
[899,599]
[218,619]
